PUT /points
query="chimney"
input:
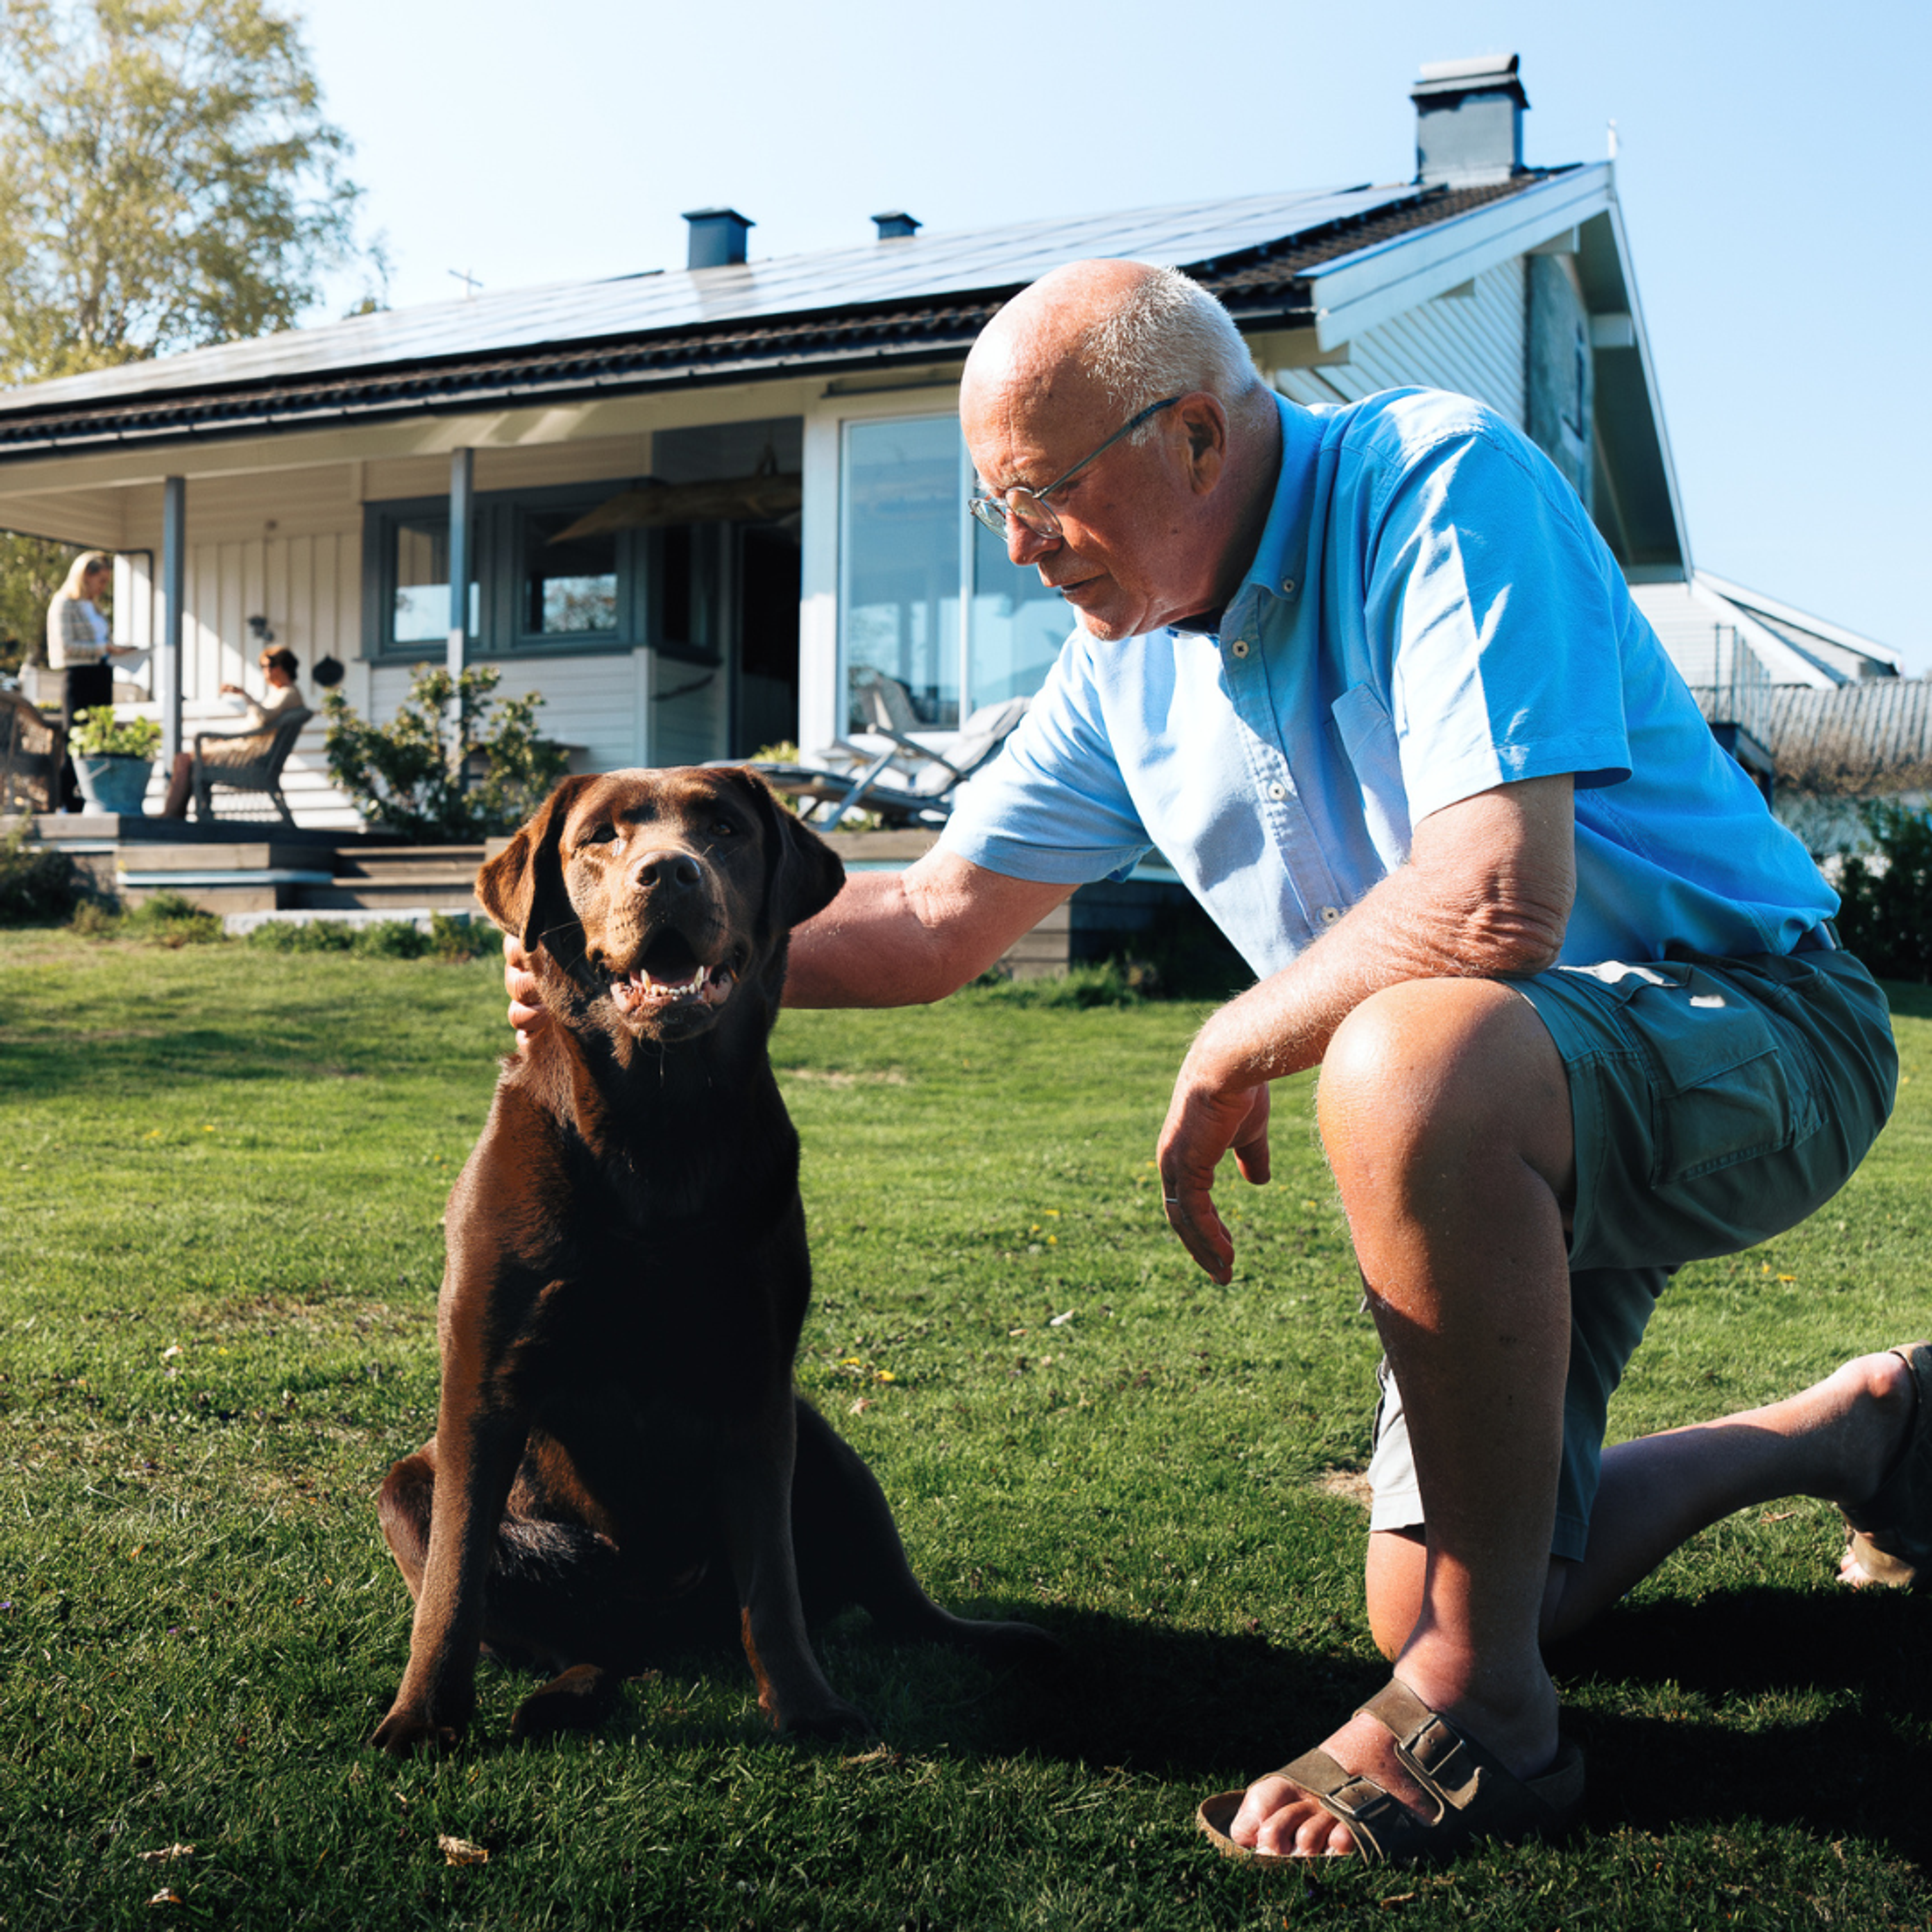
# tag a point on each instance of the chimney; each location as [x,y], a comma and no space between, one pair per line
[896,225]
[717,237]
[1469,121]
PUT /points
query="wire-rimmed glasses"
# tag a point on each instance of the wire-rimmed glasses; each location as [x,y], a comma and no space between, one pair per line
[1029,509]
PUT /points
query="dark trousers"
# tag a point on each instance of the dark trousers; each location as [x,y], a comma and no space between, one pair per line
[81,685]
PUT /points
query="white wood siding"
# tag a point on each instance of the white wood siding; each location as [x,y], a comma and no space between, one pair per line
[1474,344]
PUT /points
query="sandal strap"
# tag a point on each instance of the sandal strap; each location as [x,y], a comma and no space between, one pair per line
[1385,1830]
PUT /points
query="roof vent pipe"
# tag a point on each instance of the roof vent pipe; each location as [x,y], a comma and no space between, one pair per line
[1469,121]
[896,225]
[717,237]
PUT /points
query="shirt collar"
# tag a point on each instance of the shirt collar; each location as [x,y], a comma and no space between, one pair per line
[1277,570]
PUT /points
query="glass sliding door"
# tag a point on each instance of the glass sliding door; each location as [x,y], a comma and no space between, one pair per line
[907,545]
[899,563]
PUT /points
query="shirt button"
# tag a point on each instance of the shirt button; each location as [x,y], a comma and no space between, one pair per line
[1240,647]
[1287,586]
[1277,789]
[1330,915]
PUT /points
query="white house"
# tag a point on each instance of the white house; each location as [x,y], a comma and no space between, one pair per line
[772,448]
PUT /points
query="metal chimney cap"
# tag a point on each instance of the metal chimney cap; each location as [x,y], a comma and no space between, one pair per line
[1479,73]
[895,225]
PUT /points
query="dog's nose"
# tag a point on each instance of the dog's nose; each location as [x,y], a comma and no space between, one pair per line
[679,871]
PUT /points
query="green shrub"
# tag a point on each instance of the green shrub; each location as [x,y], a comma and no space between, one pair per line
[455,938]
[1886,918]
[98,734]
[450,939]
[409,774]
[168,919]
[38,884]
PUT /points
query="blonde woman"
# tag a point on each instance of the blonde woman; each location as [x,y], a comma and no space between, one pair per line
[79,647]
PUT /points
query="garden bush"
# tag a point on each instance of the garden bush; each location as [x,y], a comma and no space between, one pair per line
[409,774]
[1886,918]
[38,884]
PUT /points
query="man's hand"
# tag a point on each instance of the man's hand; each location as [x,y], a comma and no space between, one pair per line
[1204,1119]
[527,1012]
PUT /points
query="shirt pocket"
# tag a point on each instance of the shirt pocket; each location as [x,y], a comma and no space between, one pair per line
[1368,738]
[1729,1087]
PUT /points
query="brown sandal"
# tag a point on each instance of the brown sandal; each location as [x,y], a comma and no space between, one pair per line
[1475,1797]
[1891,1533]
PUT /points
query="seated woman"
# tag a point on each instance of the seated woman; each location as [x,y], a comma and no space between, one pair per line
[279,668]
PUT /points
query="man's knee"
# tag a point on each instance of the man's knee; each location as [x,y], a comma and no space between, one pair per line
[1434,1071]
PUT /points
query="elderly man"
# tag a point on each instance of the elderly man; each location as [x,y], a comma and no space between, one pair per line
[1371,681]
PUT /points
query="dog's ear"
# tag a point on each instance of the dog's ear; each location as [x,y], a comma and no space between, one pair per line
[802,873]
[522,888]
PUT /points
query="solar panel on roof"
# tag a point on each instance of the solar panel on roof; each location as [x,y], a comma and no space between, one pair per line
[914,268]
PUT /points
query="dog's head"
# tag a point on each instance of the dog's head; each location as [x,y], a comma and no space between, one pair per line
[658,895]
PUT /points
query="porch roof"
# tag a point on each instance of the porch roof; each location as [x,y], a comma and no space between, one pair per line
[909,298]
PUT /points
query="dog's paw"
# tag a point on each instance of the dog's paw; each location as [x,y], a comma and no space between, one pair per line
[404,1733]
[836,1723]
[580,1699]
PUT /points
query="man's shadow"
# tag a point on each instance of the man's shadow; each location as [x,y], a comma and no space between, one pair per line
[1833,1743]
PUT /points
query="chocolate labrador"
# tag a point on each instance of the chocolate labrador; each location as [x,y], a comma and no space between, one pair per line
[620,1451]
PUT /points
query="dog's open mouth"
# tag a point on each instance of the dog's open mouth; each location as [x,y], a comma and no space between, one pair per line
[670,975]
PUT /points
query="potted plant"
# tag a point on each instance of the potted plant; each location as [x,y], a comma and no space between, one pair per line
[112,757]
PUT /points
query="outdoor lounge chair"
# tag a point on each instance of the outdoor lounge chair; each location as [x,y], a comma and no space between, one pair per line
[246,761]
[907,783]
[33,748]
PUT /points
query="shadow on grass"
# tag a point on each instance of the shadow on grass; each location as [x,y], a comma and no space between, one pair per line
[1730,1679]
[1748,1663]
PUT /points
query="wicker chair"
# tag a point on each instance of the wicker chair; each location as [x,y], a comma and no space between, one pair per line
[33,748]
[246,761]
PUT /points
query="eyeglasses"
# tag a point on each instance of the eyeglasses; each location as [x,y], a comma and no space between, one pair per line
[1029,509]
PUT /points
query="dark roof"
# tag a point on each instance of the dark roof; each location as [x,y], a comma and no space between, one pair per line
[1257,254]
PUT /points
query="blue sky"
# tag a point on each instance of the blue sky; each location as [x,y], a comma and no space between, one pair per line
[1768,167]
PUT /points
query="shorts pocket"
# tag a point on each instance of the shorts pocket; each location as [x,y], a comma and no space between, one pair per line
[1729,1088]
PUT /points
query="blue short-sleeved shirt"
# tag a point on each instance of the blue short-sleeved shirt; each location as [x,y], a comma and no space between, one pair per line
[1430,613]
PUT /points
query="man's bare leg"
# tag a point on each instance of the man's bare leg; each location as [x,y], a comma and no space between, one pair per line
[1445,1111]
[1835,1441]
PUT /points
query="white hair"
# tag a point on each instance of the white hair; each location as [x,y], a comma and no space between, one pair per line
[1167,336]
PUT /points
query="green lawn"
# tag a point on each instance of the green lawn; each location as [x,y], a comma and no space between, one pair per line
[221,1172]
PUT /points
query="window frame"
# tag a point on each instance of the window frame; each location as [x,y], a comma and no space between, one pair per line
[499,523]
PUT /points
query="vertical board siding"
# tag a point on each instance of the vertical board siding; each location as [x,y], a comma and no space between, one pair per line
[1474,344]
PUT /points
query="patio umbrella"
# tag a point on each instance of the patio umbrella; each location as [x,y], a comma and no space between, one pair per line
[763,496]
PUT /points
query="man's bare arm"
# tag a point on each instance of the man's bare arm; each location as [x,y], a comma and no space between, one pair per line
[897,939]
[1485,893]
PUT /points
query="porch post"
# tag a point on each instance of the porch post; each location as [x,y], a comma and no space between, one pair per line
[168,641]
[462,493]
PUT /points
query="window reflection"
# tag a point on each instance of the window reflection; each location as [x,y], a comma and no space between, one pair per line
[420,612]
[568,589]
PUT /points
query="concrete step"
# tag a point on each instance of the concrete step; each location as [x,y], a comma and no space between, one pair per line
[354,894]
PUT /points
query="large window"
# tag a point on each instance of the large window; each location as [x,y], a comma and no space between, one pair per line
[906,548]
[535,588]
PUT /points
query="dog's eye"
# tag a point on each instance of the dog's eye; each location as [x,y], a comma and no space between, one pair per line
[598,835]
[724,829]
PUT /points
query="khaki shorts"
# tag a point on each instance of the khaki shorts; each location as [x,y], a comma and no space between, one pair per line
[1717,1102]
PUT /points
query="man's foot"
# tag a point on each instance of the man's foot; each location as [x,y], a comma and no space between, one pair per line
[1890,1518]
[1417,1784]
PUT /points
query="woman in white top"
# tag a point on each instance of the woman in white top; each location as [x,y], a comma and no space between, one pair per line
[78,647]
[284,695]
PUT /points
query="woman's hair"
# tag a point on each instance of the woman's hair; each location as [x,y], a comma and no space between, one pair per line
[282,660]
[87,560]
[1164,337]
